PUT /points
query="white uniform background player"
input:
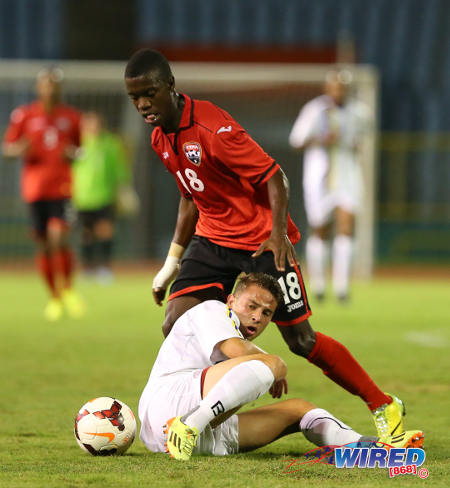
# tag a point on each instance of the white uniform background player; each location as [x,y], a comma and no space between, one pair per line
[329,129]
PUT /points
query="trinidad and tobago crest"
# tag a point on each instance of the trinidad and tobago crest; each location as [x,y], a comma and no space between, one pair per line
[193,152]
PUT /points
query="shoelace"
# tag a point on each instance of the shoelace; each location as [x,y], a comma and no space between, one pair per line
[381,423]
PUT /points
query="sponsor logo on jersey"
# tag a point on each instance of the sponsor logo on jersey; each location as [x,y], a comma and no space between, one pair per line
[193,152]
[63,123]
[224,129]
[36,123]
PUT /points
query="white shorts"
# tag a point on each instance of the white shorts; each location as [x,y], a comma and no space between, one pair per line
[175,395]
[322,197]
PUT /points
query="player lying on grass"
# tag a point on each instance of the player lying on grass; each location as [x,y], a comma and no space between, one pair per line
[207,368]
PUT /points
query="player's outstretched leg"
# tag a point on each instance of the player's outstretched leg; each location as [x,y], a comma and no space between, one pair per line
[263,425]
[340,366]
[228,386]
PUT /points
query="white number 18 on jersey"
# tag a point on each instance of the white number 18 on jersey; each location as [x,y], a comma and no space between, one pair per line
[194,182]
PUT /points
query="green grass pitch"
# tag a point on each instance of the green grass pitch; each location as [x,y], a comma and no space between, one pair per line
[398,329]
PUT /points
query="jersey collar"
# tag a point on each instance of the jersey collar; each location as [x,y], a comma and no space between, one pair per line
[187,117]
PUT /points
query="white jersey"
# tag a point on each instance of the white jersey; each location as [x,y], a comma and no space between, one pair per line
[174,384]
[331,175]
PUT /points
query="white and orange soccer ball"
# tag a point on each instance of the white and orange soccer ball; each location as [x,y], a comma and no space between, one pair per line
[105,426]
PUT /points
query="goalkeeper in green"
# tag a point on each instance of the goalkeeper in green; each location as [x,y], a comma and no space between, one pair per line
[101,186]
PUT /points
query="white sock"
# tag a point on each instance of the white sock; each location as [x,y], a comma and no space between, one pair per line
[323,429]
[342,263]
[316,253]
[243,384]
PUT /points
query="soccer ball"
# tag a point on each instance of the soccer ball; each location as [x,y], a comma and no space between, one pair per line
[105,426]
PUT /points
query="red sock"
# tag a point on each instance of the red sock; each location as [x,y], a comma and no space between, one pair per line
[64,265]
[45,267]
[339,365]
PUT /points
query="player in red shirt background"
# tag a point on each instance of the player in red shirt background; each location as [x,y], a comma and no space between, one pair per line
[46,134]
[233,212]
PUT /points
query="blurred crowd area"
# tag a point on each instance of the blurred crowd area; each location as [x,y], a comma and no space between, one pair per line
[406,41]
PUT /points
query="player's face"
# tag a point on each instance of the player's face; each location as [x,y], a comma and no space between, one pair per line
[48,90]
[337,91]
[255,307]
[91,124]
[155,99]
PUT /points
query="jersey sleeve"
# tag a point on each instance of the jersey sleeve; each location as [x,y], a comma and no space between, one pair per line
[16,125]
[214,322]
[234,147]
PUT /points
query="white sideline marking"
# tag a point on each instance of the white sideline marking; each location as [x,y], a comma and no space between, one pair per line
[427,340]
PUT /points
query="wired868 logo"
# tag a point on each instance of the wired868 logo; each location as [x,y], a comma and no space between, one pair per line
[398,461]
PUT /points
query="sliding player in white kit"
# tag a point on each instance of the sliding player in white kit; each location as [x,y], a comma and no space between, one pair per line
[329,129]
[207,368]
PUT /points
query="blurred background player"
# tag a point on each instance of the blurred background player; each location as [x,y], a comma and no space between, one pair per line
[46,135]
[101,186]
[329,129]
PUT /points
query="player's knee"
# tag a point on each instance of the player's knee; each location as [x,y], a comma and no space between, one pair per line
[302,342]
[276,365]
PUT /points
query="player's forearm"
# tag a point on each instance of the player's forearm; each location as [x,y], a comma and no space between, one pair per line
[236,347]
[184,229]
[186,222]
[13,149]
[278,191]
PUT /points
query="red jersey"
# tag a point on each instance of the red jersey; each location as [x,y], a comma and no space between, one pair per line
[46,170]
[217,164]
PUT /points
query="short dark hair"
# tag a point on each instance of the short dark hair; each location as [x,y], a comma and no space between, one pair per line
[262,280]
[145,60]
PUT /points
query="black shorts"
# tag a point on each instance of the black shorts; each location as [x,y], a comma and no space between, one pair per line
[43,211]
[208,265]
[88,218]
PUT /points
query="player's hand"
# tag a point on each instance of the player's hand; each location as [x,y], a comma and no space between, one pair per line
[282,249]
[72,152]
[158,295]
[16,149]
[24,145]
[164,277]
[330,139]
[278,387]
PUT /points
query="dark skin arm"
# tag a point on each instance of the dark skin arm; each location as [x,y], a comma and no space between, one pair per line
[186,222]
[278,241]
[184,230]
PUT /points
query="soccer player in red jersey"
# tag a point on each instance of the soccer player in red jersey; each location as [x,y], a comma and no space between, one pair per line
[46,135]
[233,211]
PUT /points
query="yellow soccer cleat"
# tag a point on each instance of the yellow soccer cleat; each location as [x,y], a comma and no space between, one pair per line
[53,310]
[409,438]
[181,439]
[73,303]
[389,417]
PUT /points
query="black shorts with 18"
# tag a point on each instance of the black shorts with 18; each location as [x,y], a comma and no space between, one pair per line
[207,265]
